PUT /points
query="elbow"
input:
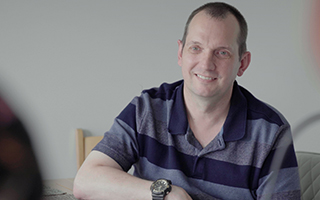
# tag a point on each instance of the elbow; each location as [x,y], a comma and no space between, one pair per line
[79,189]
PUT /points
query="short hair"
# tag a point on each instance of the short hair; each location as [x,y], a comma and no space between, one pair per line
[221,10]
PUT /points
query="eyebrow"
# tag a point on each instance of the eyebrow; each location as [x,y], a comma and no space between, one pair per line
[199,43]
[193,42]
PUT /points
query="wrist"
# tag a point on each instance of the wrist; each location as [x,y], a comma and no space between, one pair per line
[160,188]
[178,193]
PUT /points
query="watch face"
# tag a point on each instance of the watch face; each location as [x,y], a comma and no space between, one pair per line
[159,186]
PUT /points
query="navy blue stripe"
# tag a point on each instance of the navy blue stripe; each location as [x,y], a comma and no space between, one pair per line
[259,110]
[164,92]
[288,159]
[233,175]
[130,110]
[266,114]
[196,167]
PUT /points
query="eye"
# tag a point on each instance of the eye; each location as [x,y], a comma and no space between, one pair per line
[195,49]
[223,53]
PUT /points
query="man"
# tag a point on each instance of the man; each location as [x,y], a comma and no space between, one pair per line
[206,135]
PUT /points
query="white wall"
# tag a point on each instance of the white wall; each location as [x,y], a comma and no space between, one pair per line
[67,64]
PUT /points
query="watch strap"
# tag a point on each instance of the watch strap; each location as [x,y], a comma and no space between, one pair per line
[157,197]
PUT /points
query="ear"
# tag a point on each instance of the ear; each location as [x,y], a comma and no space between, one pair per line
[180,49]
[245,61]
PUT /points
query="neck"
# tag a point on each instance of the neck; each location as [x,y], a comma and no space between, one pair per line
[211,107]
[206,116]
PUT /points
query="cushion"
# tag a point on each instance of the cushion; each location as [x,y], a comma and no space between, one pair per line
[309,171]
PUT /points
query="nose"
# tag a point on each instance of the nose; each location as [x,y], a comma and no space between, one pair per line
[208,61]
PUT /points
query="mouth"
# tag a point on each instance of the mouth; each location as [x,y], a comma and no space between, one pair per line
[204,77]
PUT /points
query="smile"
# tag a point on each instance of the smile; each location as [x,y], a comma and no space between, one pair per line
[204,77]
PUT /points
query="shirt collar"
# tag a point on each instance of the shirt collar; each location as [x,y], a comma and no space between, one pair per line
[178,122]
[234,126]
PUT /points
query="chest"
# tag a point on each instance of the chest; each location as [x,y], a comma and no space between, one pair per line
[204,133]
[217,165]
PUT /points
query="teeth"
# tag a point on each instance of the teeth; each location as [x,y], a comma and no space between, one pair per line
[204,77]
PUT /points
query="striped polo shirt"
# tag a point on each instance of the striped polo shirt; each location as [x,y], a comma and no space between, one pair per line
[252,157]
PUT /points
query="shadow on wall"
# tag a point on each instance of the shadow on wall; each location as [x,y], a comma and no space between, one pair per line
[297,131]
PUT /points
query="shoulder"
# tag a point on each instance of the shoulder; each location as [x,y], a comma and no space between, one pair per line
[156,99]
[164,92]
[258,109]
[157,96]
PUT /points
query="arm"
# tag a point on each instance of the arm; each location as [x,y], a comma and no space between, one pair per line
[100,177]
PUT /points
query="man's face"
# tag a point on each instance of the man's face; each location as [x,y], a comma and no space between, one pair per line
[209,59]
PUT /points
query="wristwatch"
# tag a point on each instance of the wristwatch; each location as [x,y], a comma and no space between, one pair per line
[160,188]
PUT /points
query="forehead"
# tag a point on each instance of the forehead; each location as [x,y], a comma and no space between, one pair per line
[209,29]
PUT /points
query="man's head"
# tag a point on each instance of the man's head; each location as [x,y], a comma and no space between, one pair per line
[219,10]
[209,55]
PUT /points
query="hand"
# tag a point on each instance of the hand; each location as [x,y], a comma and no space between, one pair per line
[178,193]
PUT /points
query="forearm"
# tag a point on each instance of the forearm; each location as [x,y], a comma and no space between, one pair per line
[100,177]
[109,182]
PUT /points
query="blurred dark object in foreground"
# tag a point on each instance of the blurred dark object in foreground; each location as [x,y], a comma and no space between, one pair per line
[20,177]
